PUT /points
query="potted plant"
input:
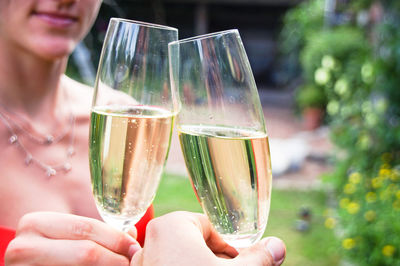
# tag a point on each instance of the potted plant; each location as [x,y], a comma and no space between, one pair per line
[311,100]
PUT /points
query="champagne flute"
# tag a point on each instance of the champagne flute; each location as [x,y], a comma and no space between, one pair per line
[222,134]
[132,118]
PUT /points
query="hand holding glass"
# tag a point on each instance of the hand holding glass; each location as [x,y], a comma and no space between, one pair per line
[132,118]
[222,134]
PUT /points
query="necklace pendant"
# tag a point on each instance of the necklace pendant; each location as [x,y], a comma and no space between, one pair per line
[50,171]
[28,159]
[13,139]
[70,151]
[49,139]
[67,167]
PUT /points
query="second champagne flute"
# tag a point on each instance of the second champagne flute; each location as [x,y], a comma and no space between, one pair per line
[222,134]
[132,117]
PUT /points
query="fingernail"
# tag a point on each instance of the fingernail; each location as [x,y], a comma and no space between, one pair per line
[277,249]
[133,249]
[131,238]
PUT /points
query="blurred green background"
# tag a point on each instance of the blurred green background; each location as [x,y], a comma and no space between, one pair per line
[316,246]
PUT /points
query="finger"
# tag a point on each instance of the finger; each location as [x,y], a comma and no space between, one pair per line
[223,256]
[133,232]
[67,226]
[137,259]
[194,227]
[136,247]
[213,239]
[41,251]
[171,236]
[268,252]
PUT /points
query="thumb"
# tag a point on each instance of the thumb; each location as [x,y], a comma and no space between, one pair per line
[137,258]
[270,251]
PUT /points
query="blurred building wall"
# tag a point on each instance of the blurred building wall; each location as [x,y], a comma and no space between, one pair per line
[258,21]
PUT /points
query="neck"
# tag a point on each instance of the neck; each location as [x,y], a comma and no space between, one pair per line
[29,84]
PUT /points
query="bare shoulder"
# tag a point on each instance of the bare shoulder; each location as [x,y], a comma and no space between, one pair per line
[79,95]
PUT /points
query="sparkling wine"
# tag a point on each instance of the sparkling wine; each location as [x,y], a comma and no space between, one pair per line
[128,148]
[230,172]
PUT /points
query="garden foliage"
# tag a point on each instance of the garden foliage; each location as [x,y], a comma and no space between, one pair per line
[355,62]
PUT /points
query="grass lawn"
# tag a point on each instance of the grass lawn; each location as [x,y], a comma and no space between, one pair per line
[314,247]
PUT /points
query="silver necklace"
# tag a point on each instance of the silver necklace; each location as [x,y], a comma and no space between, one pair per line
[50,170]
[44,138]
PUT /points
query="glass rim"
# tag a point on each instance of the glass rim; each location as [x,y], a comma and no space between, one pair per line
[142,23]
[204,36]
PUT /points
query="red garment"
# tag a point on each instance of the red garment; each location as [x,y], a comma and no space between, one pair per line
[7,234]
[141,225]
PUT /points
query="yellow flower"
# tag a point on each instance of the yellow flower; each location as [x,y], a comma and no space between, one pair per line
[370,215]
[355,178]
[353,207]
[349,188]
[388,250]
[396,204]
[394,176]
[330,223]
[370,197]
[344,202]
[348,243]
[384,172]
[376,182]
[398,194]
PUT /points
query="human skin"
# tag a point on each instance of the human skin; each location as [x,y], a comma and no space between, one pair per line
[45,28]
[184,238]
[178,238]
[36,38]
[50,238]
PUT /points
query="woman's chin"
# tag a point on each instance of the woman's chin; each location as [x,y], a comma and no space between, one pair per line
[53,50]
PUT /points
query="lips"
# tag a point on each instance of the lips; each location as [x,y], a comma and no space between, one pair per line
[56,19]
